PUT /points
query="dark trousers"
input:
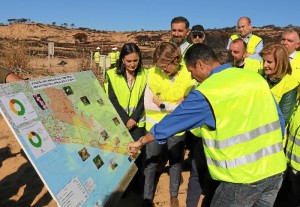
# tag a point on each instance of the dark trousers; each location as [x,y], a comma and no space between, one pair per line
[137,183]
[295,184]
[200,181]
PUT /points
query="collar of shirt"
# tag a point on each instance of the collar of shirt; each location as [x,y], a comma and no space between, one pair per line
[220,68]
[292,56]
[183,46]
[246,39]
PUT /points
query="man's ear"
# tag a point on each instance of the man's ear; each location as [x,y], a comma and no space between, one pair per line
[199,64]
[298,45]
[188,33]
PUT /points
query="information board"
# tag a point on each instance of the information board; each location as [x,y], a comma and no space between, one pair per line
[72,135]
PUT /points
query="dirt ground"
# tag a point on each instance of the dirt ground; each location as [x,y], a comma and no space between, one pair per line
[17,185]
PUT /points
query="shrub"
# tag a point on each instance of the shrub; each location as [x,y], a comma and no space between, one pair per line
[15,56]
[81,37]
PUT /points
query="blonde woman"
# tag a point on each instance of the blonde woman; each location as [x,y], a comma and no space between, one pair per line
[168,83]
[277,72]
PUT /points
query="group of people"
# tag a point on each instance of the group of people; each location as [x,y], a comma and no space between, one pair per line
[113,55]
[237,108]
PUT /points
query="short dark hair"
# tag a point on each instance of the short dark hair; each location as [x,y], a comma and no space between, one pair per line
[197,52]
[224,56]
[181,19]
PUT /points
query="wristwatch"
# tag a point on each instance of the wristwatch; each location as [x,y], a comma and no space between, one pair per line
[162,106]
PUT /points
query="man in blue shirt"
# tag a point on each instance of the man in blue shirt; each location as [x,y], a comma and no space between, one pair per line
[198,111]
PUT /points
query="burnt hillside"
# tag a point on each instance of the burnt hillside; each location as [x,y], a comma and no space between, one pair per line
[71,42]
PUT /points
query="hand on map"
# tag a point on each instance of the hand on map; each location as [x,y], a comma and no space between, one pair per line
[133,147]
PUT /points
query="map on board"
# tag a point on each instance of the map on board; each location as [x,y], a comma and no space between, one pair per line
[71,134]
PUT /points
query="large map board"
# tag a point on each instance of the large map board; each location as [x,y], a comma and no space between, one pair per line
[72,135]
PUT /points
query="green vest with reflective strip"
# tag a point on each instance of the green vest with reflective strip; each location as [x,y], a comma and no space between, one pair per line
[246,145]
[293,142]
[253,64]
[287,84]
[252,43]
[168,91]
[127,98]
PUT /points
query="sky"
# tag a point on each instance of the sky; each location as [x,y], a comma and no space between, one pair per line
[153,15]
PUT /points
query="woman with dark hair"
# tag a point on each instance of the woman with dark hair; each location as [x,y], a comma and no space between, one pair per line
[125,86]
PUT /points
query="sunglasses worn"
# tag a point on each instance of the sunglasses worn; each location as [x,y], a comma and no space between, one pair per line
[198,35]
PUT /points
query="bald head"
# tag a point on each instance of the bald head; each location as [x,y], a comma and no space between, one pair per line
[244,26]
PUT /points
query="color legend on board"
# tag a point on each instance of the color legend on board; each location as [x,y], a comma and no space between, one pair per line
[17,107]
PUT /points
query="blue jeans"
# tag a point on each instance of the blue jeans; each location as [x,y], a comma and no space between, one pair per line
[175,154]
[261,193]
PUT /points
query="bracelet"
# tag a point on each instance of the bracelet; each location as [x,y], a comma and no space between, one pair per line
[141,140]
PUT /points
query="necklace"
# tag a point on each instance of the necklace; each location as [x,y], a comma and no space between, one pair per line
[130,81]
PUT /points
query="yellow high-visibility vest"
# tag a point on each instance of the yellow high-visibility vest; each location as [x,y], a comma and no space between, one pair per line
[253,64]
[97,57]
[246,145]
[167,90]
[128,98]
[113,57]
[252,43]
[293,140]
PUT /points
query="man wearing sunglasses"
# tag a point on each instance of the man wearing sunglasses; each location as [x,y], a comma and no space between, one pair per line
[197,34]
[241,126]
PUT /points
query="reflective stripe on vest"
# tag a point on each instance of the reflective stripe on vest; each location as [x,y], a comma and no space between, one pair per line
[293,142]
[127,98]
[246,145]
[293,157]
[243,137]
[247,158]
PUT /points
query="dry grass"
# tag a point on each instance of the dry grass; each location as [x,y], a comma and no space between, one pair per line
[15,56]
